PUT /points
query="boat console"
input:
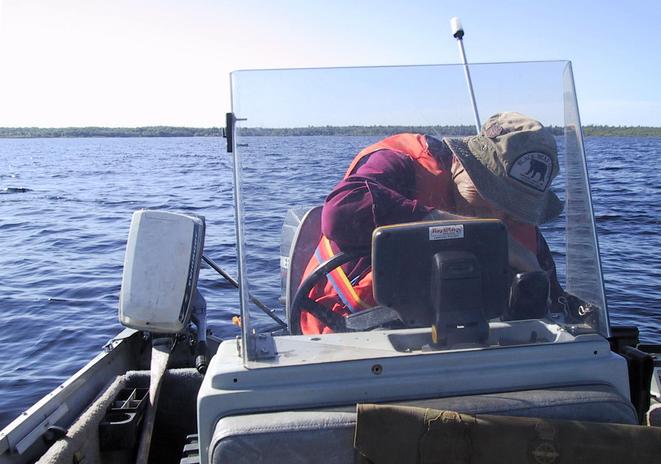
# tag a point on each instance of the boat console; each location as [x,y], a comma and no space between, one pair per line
[316,382]
[454,327]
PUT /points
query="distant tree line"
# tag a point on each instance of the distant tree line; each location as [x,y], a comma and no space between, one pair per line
[169,131]
[152,131]
[358,130]
[622,131]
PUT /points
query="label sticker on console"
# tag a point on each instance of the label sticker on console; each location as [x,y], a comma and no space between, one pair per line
[446,232]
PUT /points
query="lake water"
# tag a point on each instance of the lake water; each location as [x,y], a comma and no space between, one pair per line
[66,204]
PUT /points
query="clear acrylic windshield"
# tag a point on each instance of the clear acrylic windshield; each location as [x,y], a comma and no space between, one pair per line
[298,131]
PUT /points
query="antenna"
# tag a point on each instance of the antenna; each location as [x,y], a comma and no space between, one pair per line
[458,33]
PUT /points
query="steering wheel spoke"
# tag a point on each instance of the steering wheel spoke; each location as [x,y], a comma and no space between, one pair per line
[333,320]
[302,301]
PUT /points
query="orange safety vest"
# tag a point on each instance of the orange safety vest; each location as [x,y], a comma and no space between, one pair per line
[432,189]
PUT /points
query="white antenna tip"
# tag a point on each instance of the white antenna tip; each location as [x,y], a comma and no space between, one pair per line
[457,29]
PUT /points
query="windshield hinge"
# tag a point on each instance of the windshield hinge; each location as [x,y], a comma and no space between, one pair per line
[228,133]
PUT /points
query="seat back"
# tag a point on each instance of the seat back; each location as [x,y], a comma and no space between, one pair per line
[327,436]
[301,233]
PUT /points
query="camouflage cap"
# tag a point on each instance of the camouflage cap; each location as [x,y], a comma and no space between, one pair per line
[512,163]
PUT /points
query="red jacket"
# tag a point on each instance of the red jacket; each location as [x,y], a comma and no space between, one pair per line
[432,188]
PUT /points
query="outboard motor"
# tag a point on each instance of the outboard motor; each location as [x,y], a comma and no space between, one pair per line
[301,232]
[159,292]
[161,267]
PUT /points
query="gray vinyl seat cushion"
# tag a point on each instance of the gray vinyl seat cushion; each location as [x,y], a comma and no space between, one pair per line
[327,436]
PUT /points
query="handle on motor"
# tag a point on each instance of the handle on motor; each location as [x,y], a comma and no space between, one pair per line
[201,357]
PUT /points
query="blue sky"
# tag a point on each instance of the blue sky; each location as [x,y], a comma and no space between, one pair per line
[131,63]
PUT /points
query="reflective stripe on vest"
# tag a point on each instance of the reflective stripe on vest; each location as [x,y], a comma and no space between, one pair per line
[338,278]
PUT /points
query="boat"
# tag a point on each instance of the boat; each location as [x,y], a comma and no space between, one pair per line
[167,390]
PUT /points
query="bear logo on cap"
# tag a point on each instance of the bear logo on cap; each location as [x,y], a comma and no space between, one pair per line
[533,169]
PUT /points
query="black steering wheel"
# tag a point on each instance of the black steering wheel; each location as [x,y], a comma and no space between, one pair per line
[302,301]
